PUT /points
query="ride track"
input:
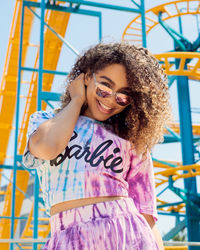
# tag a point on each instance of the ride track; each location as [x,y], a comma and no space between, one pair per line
[8,92]
[178,63]
[167,173]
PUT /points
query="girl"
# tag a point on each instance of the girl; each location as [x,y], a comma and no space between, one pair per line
[92,155]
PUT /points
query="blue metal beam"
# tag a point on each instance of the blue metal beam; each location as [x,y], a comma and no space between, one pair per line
[45,71]
[183,43]
[19,158]
[171,139]
[39,106]
[174,231]
[171,214]
[184,193]
[18,246]
[196,44]
[174,134]
[100,27]
[135,3]
[58,35]
[171,80]
[16,218]
[162,191]
[62,8]
[103,5]
[50,105]
[76,10]
[70,10]
[21,191]
[189,194]
[170,204]
[164,162]
[144,39]
[50,96]
[10,167]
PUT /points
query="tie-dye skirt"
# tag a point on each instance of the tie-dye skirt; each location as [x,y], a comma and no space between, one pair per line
[110,225]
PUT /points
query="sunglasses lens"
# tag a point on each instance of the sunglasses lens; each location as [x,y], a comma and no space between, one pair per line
[122,99]
[103,91]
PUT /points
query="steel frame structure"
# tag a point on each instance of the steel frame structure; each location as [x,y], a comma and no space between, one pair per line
[192,219]
[189,193]
[43,5]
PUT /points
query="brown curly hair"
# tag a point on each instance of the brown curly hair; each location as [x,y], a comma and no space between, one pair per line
[143,121]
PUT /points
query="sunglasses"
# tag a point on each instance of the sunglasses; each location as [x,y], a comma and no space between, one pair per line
[105,92]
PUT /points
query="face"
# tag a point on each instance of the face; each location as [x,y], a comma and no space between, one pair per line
[100,106]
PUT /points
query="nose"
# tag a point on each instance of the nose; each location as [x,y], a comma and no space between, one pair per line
[111,100]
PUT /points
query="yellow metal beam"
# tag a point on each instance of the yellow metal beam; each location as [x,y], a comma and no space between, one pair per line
[52,48]
[176,247]
[169,58]
[176,128]
[170,10]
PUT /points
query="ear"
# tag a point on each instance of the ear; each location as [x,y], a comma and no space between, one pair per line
[87,79]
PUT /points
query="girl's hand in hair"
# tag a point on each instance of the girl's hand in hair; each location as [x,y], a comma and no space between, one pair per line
[77,88]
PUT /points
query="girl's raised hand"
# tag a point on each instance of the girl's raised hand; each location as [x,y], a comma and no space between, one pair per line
[77,88]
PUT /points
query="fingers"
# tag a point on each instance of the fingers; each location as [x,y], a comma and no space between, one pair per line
[77,87]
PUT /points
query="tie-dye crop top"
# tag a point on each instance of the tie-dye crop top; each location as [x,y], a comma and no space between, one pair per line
[96,162]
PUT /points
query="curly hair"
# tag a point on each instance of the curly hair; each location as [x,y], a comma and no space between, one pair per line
[143,121]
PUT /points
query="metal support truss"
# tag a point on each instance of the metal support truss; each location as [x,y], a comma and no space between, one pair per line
[73,7]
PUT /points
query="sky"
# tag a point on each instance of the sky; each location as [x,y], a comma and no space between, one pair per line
[82,32]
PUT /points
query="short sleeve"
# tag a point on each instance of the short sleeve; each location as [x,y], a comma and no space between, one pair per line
[142,185]
[37,118]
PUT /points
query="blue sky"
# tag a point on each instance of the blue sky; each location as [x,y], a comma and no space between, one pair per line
[83,32]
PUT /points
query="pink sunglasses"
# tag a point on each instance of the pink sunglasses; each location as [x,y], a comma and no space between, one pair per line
[105,92]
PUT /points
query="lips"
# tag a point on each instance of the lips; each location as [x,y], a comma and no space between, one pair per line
[104,108]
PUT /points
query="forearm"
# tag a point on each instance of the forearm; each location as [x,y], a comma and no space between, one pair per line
[158,237]
[150,220]
[52,136]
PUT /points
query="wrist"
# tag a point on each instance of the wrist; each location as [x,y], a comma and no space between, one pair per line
[78,100]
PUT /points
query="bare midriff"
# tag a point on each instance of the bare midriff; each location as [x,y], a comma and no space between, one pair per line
[66,205]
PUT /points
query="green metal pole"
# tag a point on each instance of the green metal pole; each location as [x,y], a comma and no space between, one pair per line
[100,27]
[193,224]
[188,156]
[144,37]
[103,5]
[39,105]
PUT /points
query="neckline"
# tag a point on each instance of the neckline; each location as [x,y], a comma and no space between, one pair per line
[91,119]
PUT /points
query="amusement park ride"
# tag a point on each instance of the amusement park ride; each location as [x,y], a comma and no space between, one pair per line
[25,89]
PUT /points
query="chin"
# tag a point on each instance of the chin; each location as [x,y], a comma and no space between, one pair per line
[101,118]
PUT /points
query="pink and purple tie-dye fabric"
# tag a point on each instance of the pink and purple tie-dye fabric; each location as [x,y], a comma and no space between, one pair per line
[96,162]
[112,225]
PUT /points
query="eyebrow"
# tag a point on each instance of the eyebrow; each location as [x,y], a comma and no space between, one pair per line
[108,79]
[113,83]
